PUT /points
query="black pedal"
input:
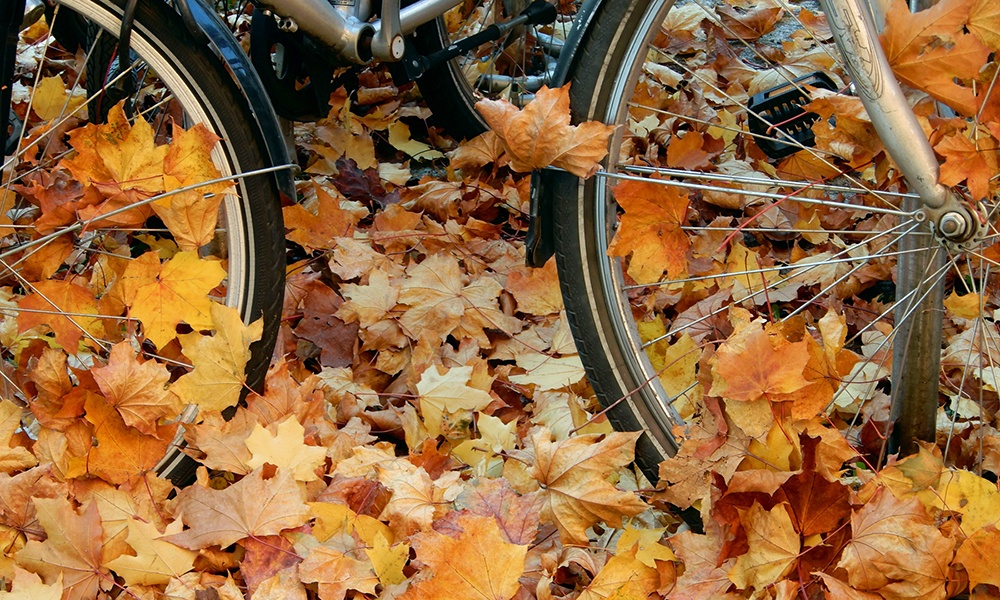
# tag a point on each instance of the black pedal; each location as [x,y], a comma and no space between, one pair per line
[777,114]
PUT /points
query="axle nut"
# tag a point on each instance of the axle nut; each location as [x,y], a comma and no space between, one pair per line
[952,225]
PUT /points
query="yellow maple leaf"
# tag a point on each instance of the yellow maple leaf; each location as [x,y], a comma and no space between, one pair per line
[387,561]
[447,393]
[624,570]
[156,561]
[180,293]
[219,361]
[773,547]
[17,458]
[285,449]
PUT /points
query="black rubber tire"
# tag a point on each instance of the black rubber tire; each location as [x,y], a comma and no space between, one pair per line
[449,96]
[602,51]
[254,217]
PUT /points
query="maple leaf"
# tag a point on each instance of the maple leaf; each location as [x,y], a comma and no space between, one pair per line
[623,571]
[896,549]
[573,473]
[220,444]
[387,561]
[984,21]
[971,161]
[336,572]
[773,547]
[516,515]
[137,390]
[191,216]
[477,563]
[540,135]
[122,452]
[705,571]
[286,449]
[442,304]
[219,361]
[14,458]
[319,231]
[179,293]
[772,370]
[413,501]
[155,561]
[63,306]
[122,161]
[650,230]
[928,51]
[253,506]
[266,556]
[72,551]
[978,555]
[446,393]
[17,511]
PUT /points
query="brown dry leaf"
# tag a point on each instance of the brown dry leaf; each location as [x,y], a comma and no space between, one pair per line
[896,549]
[623,571]
[773,547]
[651,230]
[253,506]
[540,135]
[73,550]
[705,571]
[221,444]
[336,572]
[137,390]
[477,152]
[517,515]
[575,489]
[477,563]
[442,303]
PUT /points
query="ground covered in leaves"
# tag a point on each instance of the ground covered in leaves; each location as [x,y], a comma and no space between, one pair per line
[426,430]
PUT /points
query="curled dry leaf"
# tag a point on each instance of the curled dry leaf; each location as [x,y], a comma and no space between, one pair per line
[540,134]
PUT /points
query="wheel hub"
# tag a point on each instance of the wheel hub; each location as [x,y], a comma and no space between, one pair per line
[960,229]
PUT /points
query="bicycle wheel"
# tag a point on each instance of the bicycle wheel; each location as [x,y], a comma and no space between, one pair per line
[173,82]
[513,67]
[785,229]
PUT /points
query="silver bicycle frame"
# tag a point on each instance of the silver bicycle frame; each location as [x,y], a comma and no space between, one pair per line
[918,330]
[353,38]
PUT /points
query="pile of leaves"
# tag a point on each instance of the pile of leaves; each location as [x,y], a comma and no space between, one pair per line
[426,429]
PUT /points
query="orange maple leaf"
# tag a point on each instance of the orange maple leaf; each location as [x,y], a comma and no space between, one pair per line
[476,563]
[63,306]
[319,231]
[965,160]
[137,390]
[752,367]
[651,230]
[928,51]
[541,135]
[122,452]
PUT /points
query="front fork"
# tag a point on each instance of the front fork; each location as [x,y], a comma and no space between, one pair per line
[946,221]
[11,15]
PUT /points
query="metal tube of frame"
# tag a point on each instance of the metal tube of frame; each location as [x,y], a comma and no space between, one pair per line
[856,37]
[321,20]
[418,13]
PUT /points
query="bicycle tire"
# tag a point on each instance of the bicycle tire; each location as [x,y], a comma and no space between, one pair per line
[605,303]
[195,87]
[446,89]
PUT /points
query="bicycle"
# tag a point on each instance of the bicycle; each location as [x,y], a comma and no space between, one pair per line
[766,206]
[179,64]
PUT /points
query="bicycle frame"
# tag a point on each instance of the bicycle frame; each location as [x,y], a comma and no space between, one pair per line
[916,365]
[349,34]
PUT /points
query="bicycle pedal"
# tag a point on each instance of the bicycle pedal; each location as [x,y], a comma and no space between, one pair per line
[780,125]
